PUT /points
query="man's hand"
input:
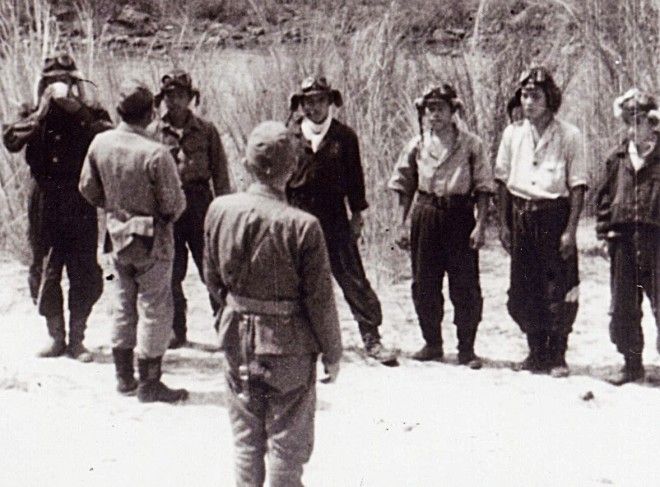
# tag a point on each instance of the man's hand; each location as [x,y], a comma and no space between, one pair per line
[477,237]
[331,372]
[567,245]
[356,223]
[403,237]
[505,238]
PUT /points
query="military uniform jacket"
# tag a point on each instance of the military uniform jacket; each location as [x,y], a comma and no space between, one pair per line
[328,178]
[261,250]
[628,196]
[197,151]
[135,180]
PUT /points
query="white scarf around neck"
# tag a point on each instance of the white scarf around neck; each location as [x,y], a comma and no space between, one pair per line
[314,132]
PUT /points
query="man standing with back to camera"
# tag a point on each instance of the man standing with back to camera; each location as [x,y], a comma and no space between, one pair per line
[329,174]
[134,179]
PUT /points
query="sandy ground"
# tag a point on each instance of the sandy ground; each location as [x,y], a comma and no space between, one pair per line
[61,423]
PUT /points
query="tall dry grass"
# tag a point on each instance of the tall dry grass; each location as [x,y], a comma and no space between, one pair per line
[599,49]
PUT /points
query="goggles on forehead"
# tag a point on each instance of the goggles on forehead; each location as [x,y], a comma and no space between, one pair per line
[62,61]
[182,79]
[535,76]
[313,84]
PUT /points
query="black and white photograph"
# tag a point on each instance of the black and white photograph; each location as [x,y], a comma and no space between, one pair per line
[352,243]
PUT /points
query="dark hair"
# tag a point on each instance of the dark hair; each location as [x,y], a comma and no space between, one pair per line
[540,77]
[134,117]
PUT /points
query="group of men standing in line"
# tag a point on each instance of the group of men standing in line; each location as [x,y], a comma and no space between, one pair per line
[267,255]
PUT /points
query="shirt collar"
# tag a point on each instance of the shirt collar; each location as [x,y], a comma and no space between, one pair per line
[127,127]
[190,123]
[267,191]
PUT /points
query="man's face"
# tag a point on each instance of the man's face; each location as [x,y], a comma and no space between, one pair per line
[534,103]
[438,114]
[316,107]
[640,129]
[177,99]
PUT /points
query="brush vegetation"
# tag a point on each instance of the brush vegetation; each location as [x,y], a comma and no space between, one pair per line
[596,48]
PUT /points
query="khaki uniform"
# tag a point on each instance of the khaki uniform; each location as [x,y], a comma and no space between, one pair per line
[268,264]
[135,180]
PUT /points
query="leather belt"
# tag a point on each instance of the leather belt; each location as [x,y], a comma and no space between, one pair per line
[244,304]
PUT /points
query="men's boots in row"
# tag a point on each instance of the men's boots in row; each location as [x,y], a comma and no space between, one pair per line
[150,388]
[374,348]
[56,345]
[125,371]
[632,371]
[76,349]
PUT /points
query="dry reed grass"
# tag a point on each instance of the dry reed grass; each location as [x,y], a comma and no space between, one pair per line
[601,48]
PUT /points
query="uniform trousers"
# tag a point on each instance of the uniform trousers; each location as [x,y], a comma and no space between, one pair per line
[189,235]
[440,244]
[141,303]
[635,261]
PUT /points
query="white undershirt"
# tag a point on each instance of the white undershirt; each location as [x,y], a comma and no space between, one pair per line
[314,132]
[635,158]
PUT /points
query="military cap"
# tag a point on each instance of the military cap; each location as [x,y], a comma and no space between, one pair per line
[269,152]
[434,93]
[315,86]
[135,98]
[177,78]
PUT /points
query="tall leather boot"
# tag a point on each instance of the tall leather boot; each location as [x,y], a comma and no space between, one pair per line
[56,345]
[557,345]
[76,349]
[535,360]
[126,383]
[466,356]
[150,388]
[633,370]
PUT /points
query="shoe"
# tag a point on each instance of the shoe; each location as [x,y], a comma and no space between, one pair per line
[177,342]
[76,350]
[383,355]
[56,345]
[557,345]
[126,383]
[429,352]
[471,360]
[531,364]
[560,371]
[632,371]
[150,388]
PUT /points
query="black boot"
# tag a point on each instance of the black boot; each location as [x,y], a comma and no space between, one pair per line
[150,388]
[56,345]
[466,355]
[126,383]
[375,349]
[632,371]
[535,361]
[76,349]
[557,345]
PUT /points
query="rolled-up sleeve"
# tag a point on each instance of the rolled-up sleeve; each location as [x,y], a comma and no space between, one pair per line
[503,160]
[576,164]
[482,172]
[404,177]
[317,293]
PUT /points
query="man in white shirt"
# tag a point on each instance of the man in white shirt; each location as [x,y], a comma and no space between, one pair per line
[541,175]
